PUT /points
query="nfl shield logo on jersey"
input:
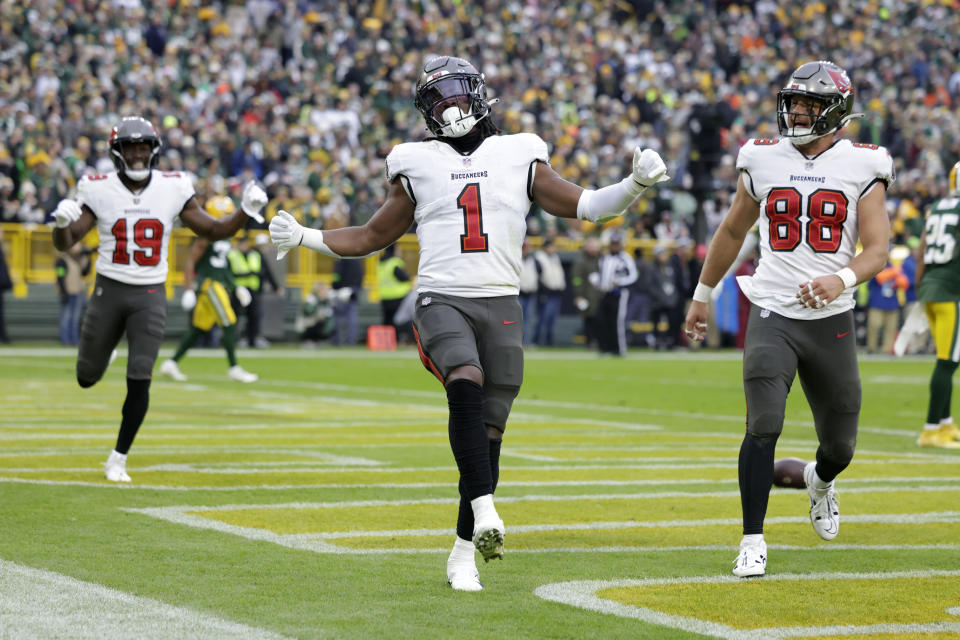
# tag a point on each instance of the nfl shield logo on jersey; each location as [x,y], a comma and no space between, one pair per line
[808,166]
[426,301]
[765,313]
[467,162]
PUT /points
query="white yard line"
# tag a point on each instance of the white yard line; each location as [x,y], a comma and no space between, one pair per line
[44,604]
[582,594]
[321,542]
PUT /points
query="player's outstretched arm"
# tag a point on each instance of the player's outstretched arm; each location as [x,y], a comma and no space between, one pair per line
[208,227]
[567,200]
[72,221]
[724,247]
[390,221]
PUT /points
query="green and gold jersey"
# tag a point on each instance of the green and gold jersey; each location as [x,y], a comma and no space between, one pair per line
[941,259]
[213,264]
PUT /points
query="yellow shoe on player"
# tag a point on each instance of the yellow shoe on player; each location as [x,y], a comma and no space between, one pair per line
[941,438]
[952,429]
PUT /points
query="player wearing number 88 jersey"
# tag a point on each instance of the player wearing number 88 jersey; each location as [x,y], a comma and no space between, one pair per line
[134,210]
[808,217]
[469,190]
[812,196]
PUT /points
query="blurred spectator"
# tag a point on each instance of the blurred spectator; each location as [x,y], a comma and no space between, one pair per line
[617,272]
[315,320]
[909,268]
[640,309]
[394,283]
[348,288]
[585,278]
[250,270]
[71,268]
[747,268]
[887,296]
[667,297]
[726,309]
[529,279]
[552,282]
[6,284]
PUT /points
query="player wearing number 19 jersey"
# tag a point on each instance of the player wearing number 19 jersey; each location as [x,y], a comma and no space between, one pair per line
[813,196]
[469,190]
[134,210]
[938,290]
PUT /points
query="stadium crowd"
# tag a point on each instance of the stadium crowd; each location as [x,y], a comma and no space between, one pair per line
[309,97]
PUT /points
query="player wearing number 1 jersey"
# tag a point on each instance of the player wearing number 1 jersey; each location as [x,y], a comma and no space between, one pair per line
[938,290]
[469,190]
[134,210]
[812,196]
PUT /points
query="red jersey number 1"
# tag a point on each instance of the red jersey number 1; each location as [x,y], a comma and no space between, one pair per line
[473,238]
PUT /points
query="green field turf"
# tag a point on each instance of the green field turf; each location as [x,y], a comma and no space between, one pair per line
[321,503]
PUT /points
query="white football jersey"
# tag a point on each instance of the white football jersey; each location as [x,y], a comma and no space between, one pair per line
[808,217]
[135,228]
[470,211]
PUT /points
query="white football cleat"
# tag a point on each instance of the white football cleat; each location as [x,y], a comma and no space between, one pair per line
[116,467]
[824,511]
[239,374]
[463,575]
[170,369]
[488,529]
[752,559]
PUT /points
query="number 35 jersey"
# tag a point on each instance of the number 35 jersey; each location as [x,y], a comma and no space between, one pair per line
[808,217]
[135,228]
[470,211]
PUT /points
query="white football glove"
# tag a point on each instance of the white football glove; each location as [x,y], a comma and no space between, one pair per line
[254,198]
[244,297]
[915,327]
[189,299]
[285,233]
[67,211]
[648,167]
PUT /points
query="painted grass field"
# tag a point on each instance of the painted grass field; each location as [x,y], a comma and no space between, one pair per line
[320,503]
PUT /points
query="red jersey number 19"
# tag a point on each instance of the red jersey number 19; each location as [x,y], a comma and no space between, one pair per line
[147,240]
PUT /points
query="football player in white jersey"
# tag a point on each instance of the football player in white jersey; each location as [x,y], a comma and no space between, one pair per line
[469,190]
[812,194]
[134,210]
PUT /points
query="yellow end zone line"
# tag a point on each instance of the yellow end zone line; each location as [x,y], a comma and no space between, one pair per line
[876,488]
[582,594]
[437,395]
[320,542]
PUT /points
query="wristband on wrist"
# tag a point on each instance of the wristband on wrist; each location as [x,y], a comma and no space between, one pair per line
[848,276]
[702,293]
[313,239]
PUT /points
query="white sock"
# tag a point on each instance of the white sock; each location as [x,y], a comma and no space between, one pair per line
[818,484]
[931,427]
[116,455]
[752,540]
[946,421]
[463,550]
[482,506]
